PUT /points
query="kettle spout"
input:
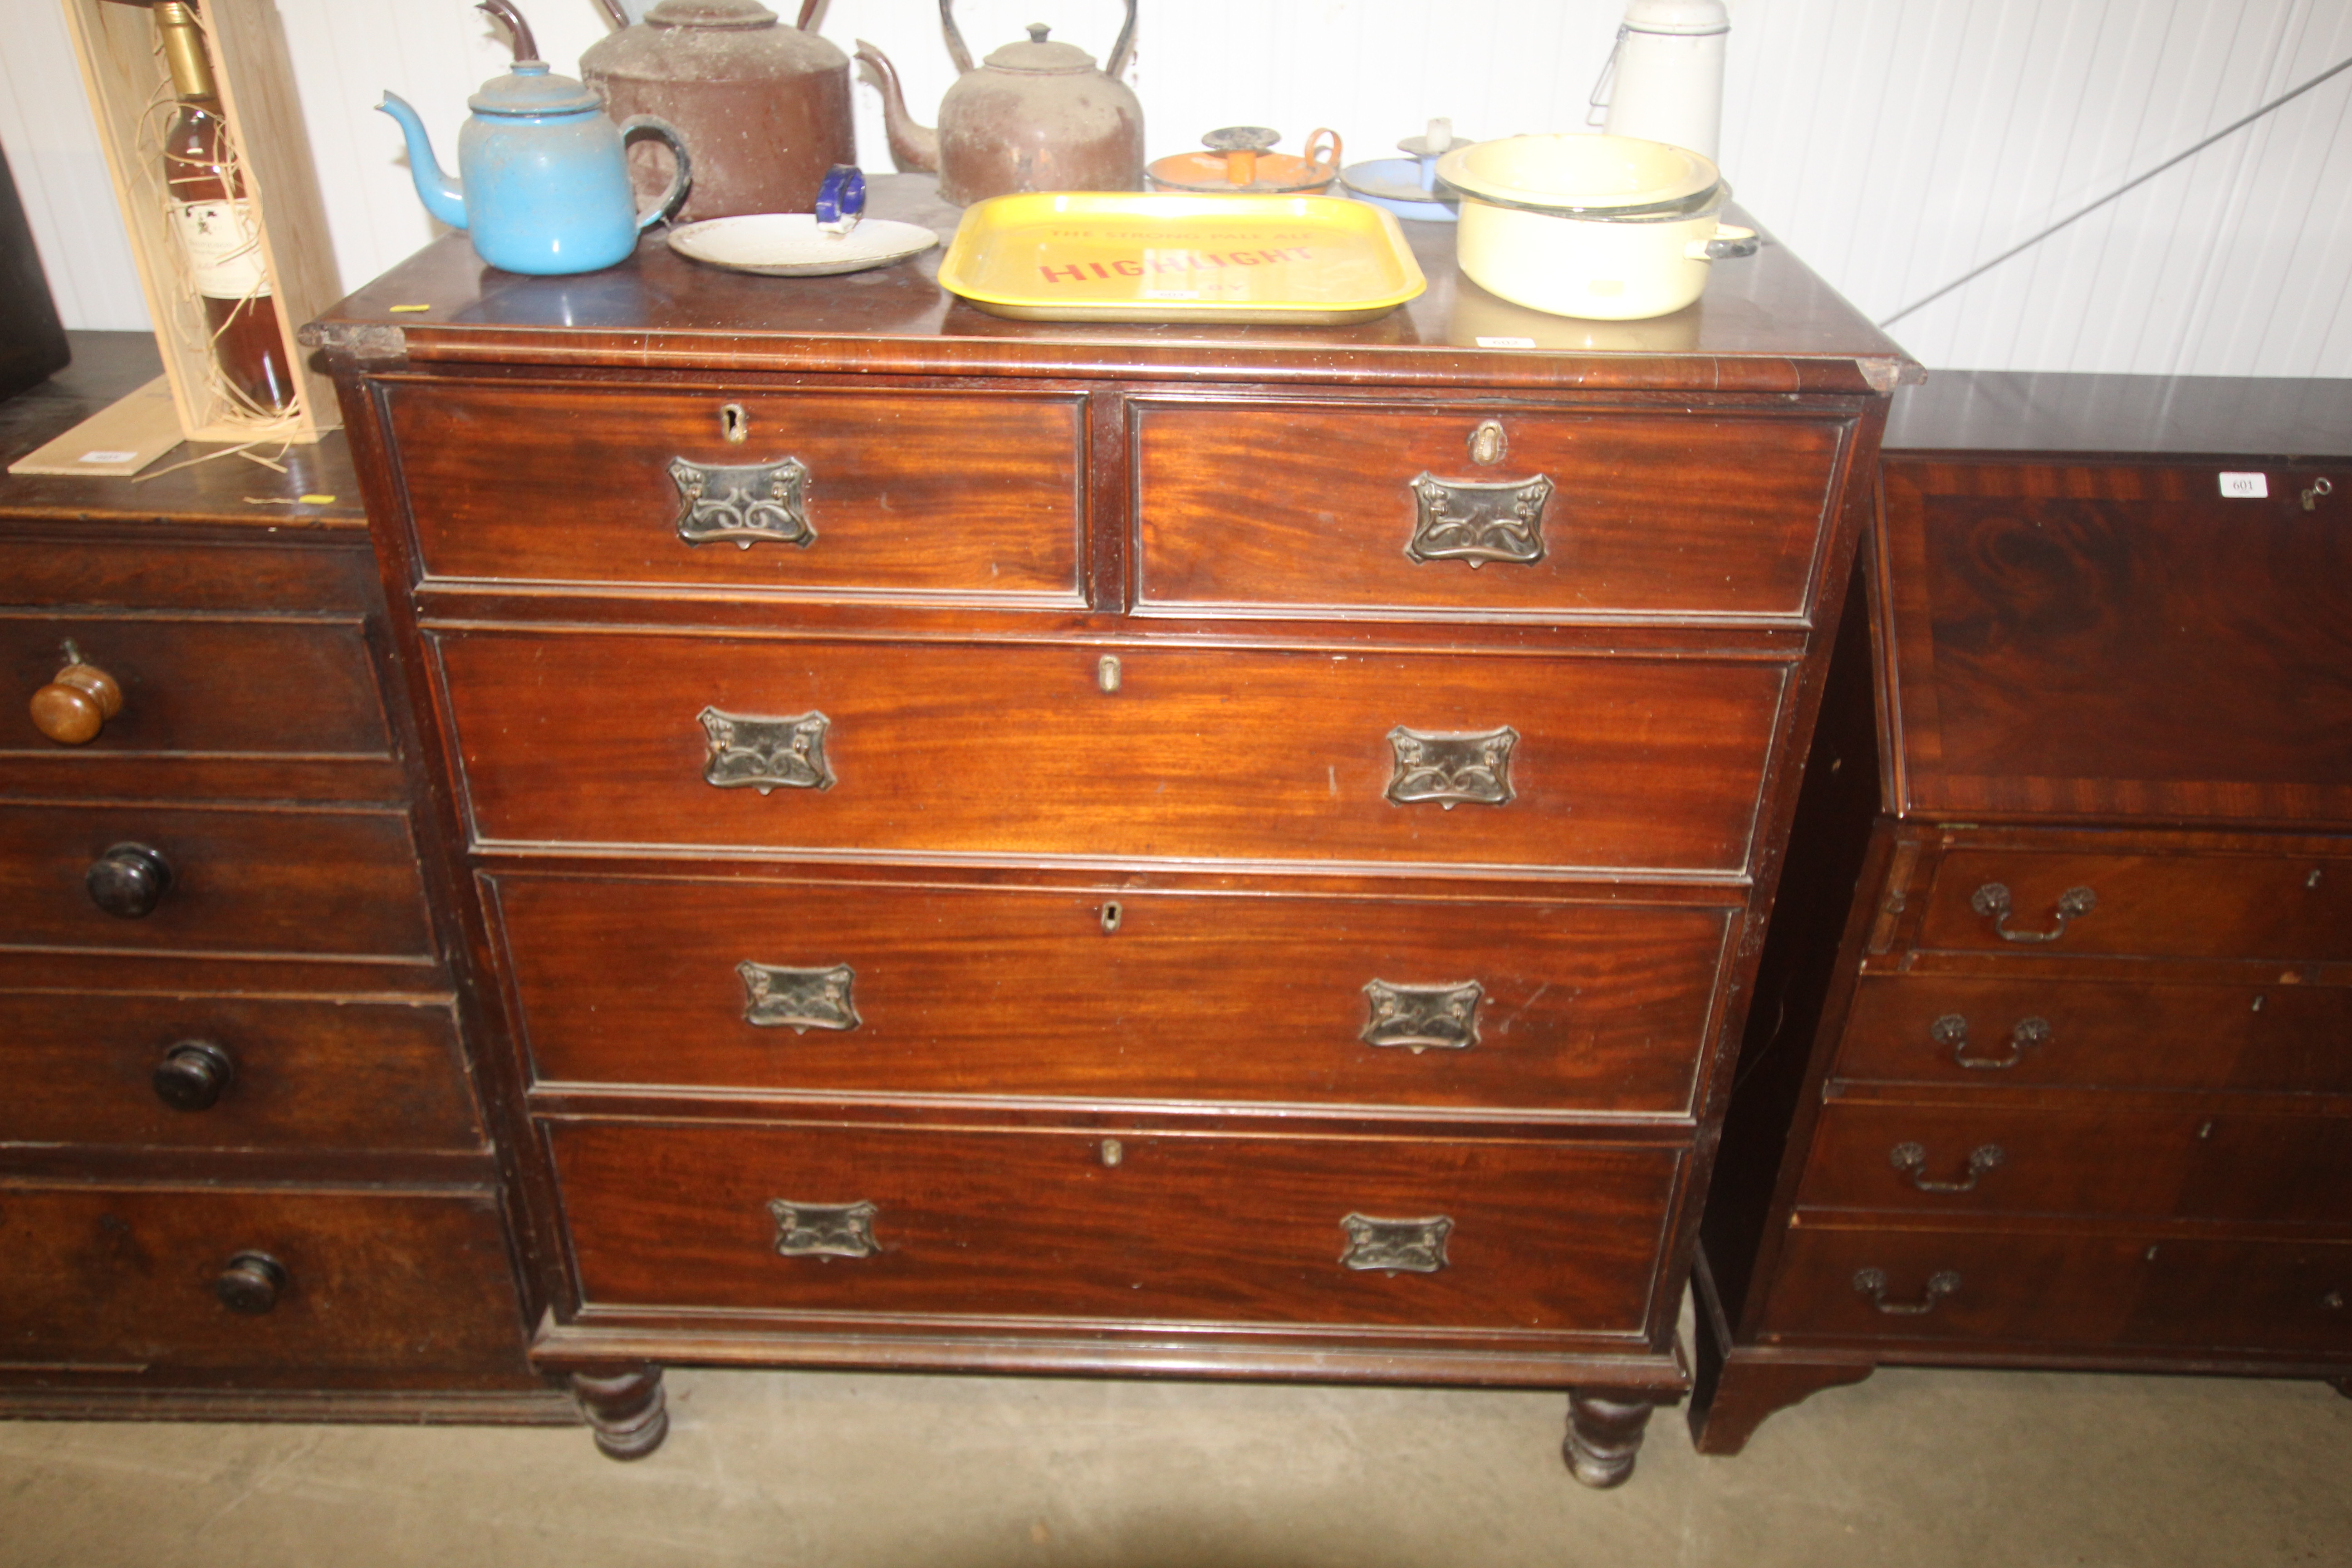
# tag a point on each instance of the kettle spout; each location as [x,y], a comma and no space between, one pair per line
[915,149]
[442,196]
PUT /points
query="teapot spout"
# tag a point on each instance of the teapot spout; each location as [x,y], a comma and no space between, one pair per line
[915,149]
[442,196]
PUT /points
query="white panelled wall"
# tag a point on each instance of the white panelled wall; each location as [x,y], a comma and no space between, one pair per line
[1894,144]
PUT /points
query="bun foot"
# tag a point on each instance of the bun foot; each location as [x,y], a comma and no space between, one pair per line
[1604,1433]
[626,1410]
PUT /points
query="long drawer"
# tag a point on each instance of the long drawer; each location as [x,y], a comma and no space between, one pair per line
[1195,997]
[2168,904]
[1299,508]
[131,1279]
[1306,755]
[1967,1030]
[1997,1158]
[303,881]
[1123,1227]
[2092,1291]
[890,494]
[280,1072]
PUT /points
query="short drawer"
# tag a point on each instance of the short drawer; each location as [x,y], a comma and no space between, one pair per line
[283,687]
[308,881]
[2043,1291]
[810,986]
[889,494]
[132,1281]
[1995,1158]
[2156,905]
[231,1072]
[1118,1226]
[1292,756]
[1386,508]
[1951,1029]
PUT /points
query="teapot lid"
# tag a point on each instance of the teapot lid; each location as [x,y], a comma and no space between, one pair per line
[711,14]
[533,89]
[1038,58]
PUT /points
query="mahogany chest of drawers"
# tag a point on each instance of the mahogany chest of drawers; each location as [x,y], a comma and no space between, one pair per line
[243,1170]
[1214,852]
[2052,1061]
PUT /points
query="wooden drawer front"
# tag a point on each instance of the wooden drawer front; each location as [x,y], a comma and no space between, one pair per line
[296,689]
[1271,756]
[307,881]
[1228,1229]
[123,1278]
[1277,510]
[906,492]
[2085,1291]
[1922,1028]
[1189,998]
[2155,905]
[53,563]
[2183,1165]
[301,1074]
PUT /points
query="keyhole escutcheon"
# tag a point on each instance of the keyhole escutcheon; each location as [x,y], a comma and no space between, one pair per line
[734,424]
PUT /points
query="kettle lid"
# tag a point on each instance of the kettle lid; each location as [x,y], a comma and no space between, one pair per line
[1038,58]
[531,88]
[711,14]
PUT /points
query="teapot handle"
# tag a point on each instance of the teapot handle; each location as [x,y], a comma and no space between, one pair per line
[680,183]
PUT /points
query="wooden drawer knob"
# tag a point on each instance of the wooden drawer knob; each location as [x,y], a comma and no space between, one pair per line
[128,881]
[73,708]
[192,1075]
[251,1283]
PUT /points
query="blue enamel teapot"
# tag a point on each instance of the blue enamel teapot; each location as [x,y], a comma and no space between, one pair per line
[543,175]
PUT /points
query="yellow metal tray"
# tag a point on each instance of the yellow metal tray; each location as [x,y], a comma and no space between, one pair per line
[1083,255]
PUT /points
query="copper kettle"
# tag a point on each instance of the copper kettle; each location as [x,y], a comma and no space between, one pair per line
[765,107]
[1035,116]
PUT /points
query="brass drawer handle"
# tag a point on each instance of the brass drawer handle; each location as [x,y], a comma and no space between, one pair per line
[1992,900]
[776,997]
[1423,1017]
[1952,1029]
[1872,1282]
[824,1230]
[1466,519]
[750,504]
[1449,768]
[750,752]
[1912,1157]
[1396,1245]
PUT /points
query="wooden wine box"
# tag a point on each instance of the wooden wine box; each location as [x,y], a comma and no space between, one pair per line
[129,94]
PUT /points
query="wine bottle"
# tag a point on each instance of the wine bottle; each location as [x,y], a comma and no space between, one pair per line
[218,230]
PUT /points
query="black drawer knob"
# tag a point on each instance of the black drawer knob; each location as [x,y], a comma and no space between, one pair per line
[192,1075]
[128,881]
[251,1283]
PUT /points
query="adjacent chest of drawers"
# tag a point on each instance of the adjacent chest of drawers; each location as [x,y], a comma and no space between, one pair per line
[243,1170]
[2062,974]
[1224,852]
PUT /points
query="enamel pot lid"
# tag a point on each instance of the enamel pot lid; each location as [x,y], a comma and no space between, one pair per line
[1612,179]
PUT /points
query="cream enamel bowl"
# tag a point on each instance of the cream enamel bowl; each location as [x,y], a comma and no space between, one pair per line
[1609,229]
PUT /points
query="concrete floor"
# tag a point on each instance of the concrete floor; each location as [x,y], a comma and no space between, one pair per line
[1914,1469]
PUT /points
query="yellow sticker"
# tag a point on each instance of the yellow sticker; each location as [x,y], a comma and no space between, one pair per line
[315,501]
[396,309]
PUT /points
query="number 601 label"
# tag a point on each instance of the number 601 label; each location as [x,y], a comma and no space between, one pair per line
[2246,487]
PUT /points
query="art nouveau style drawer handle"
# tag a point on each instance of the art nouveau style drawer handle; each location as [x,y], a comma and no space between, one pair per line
[1396,1245]
[824,1230]
[1912,1157]
[72,708]
[777,997]
[1952,1029]
[251,1283]
[1466,519]
[748,505]
[1424,1017]
[1872,1282]
[192,1076]
[750,752]
[1449,768]
[1992,900]
[128,881]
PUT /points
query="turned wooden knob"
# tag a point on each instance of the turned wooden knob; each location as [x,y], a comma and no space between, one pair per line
[128,881]
[73,708]
[251,1283]
[192,1075]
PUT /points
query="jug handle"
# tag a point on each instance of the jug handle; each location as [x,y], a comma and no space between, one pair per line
[956,51]
[1116,66]
[679,181]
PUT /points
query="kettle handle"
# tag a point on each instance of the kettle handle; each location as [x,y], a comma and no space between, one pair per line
[679,181]
[1116,66]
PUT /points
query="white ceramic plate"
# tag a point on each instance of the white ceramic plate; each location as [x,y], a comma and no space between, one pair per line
[790,244]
